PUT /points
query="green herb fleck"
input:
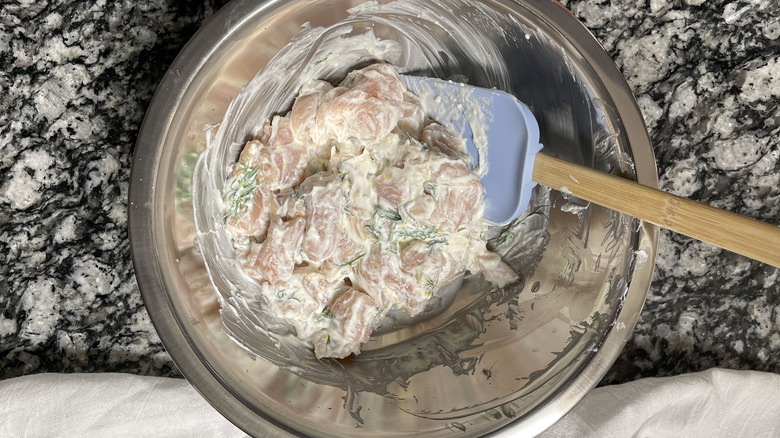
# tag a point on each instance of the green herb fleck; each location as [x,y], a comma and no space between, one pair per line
[427,234]
[324,315]
[318,62]
[341,172]
[349,263]
[345,195]
[422,145]
[430,188]
[388,214]
[247,241]
[373,231]
[281,295]
[241,191]
[504,236]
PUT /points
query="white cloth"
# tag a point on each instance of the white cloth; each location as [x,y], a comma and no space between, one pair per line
[107,405]
[708,404]
[713,403]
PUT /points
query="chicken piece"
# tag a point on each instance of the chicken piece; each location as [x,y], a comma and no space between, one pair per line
[303,117]
[366,106]
[252,219]
[413,117]
[274,259]
[459,195]
[367,276]
[430,266]
[423,210]
[291,206]
[379,274]
[348,251]
[250,151]
[249,204]
[279,133]
[280,167]
[356,114]
[356,311]
[324,204]
[392,186]
[380,81]
[321,132]
[495,270]
[356,172]
[353,313]
[321,283]
[440,138]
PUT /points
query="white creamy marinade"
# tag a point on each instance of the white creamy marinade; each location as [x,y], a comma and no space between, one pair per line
[353,204]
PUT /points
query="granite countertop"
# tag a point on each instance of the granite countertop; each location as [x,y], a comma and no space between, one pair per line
[76,78]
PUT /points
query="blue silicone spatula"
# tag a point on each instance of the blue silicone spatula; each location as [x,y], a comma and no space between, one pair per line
[509,130]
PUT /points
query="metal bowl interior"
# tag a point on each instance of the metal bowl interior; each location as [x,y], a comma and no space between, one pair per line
[527,354]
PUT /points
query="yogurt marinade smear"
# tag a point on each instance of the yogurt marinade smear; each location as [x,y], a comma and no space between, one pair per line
[354,203]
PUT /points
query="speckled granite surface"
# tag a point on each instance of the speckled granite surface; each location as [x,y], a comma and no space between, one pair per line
[76,78]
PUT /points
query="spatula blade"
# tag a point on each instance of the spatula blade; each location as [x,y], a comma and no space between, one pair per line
[495,122]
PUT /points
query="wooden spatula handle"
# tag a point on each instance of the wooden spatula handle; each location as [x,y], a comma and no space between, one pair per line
[749,237]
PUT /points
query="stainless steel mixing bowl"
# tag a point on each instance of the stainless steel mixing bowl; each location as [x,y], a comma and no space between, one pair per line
[512,360]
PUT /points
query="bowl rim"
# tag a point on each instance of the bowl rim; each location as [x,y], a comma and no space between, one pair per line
[155,128]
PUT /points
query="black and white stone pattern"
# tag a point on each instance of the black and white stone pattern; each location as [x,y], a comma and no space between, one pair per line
[76,78]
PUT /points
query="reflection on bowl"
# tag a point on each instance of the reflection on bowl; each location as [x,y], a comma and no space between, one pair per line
[480,360]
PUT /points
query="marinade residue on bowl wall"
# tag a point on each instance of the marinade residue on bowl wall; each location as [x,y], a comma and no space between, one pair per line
[473,333]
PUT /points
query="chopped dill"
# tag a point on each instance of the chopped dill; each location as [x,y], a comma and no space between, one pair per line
[240,191]
[427,234]
[430,188]
[373,231]
[349,263]
[504,236]
[281,295]
[318,62]
[324,315]
[424,146]
[246,241]
[345,195]
[342,173]
[388,214]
